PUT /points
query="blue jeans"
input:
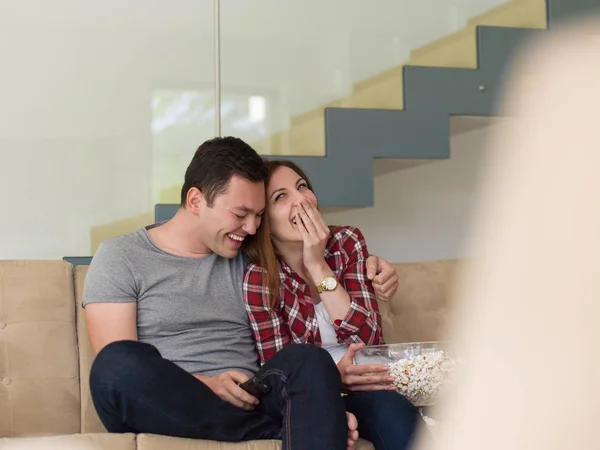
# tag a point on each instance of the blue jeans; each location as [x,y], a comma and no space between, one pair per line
[135,390]
[385,418]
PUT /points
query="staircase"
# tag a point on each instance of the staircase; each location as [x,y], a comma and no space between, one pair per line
[401,114]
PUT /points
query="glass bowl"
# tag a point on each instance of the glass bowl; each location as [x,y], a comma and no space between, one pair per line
[420,369]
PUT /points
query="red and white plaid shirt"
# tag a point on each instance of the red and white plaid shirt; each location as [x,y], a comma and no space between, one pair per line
[293,318]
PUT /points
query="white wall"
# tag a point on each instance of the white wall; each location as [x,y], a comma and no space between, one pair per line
[423,213]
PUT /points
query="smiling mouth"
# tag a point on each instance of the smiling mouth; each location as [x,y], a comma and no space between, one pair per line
[235,237]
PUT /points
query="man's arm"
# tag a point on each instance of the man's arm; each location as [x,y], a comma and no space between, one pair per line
[110,297]
[109,322]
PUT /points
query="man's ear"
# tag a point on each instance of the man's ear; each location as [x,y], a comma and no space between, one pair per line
[194,200]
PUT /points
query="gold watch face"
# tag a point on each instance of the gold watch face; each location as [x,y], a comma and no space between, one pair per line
[329,283]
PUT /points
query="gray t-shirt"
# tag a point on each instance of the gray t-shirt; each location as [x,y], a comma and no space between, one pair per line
[191,309]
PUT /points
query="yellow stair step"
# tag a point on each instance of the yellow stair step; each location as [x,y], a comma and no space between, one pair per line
[383,91]
[171,194]
[460,49]
[103,232]
[516,13]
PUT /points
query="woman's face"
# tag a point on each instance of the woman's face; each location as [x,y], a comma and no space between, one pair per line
[285,191]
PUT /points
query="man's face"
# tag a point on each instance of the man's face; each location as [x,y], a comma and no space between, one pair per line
[235,214]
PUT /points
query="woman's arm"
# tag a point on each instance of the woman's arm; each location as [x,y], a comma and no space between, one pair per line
[362,321]
[351,305]
[268,328]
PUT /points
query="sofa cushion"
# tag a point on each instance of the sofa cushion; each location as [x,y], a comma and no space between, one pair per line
[39,374]
[104,441]
[90,422]
[419,310]
[156,442]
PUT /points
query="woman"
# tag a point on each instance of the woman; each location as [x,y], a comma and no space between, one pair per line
[307,284]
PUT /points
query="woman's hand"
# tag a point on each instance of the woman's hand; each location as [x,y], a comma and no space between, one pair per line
[364,377]
[314,232]
[352,430]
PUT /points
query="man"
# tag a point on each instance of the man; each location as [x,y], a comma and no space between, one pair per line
[166,318]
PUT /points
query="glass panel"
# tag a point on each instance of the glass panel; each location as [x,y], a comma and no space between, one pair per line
[97,118]
[104,102]
[304,56]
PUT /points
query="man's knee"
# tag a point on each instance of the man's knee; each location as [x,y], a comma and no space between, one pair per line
[307,352]
[311,358]
[119,355]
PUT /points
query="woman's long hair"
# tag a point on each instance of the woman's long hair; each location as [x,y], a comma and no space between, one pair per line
[259,248]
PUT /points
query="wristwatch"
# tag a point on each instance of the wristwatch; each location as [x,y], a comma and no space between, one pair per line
[329,283]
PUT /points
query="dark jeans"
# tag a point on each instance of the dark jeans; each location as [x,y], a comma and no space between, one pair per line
[135,390]
[385,418]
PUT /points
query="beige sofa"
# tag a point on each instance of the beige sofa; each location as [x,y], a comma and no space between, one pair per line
[45,355]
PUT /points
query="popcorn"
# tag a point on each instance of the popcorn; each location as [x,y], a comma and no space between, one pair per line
[420,378]
[429,421]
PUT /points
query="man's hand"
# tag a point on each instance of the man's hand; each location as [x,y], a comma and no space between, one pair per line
[354,376]
[352,430]
[383,276]
[225,385]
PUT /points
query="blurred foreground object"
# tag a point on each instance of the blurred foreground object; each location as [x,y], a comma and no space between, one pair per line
[528,322]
